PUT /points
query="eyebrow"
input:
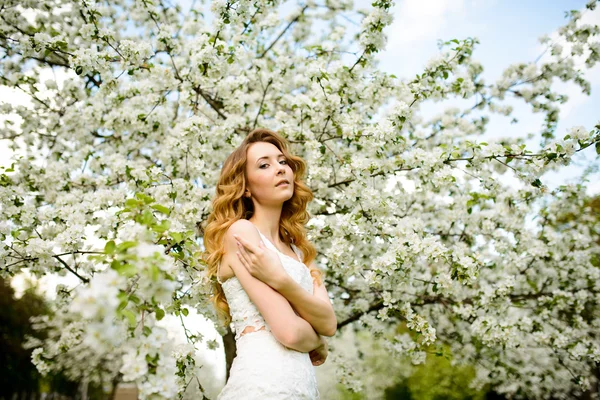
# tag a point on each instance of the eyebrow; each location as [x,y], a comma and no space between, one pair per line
[278,155]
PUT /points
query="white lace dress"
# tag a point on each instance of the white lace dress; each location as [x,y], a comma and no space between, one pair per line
[263,368]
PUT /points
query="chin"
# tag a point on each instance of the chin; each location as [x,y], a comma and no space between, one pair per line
[288,196]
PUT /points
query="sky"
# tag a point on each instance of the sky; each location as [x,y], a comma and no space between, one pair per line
[508,33]
[507,30]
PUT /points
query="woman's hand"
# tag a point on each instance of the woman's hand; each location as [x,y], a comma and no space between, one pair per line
[262,263]
[319,355]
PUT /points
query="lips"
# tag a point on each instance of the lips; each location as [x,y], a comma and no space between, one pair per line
[282,181]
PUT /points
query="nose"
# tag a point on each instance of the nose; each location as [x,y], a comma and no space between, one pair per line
[281,169]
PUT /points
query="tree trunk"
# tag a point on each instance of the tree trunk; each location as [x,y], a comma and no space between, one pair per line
[83,389]
[115,383]
[594,391]
[230,351]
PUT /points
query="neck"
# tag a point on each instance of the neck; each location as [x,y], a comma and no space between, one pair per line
[267,222]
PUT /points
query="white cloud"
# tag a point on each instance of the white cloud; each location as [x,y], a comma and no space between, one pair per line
[572,112]
[576,97]
[417,26]
[418,20]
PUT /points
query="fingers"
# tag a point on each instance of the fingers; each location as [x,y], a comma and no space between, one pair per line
[317,358]
[318,362]
[242,259]
[245,244]
[242,255]
[243,252]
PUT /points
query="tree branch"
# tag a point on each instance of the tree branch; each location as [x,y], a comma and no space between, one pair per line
[283,32]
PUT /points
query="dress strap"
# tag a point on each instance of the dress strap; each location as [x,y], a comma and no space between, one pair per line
[265,240]
[297,251]
[259,234]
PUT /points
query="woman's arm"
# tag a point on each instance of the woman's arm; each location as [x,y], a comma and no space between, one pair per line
[287,327]
[315,308]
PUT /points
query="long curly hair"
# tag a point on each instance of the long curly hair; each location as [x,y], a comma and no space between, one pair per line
[229,205]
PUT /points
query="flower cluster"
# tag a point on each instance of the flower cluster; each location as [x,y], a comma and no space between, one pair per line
[422,226]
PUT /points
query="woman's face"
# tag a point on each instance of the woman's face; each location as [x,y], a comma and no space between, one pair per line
[266,166]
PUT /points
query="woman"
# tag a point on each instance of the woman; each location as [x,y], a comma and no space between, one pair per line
[265,280]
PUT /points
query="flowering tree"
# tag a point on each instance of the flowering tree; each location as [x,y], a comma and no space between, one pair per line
[126,143]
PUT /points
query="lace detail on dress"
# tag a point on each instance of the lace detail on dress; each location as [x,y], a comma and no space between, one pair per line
[263,368]
[244,313]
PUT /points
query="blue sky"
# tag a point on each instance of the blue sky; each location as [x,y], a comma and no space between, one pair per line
[508,32]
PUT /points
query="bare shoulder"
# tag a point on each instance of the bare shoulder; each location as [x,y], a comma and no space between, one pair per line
[242,228]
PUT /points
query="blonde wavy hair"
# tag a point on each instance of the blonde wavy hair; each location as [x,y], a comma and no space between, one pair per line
[229,205]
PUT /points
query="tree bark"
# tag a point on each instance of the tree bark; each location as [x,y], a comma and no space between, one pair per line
[230,351]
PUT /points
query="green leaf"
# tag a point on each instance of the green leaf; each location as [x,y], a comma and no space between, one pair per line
[162,227]
[110,247]
[537,183]
[127,270]
[130,317]
[131,203]
[154,273]
[147,331]
[185,311]
[148,218]
[122,304]
[126,245]
[144,197]
[161,209]
[598,148]
[135,299]
[160,314]
[177,236]
[123,301]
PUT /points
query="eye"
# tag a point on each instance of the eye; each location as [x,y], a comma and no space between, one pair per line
[261,166]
